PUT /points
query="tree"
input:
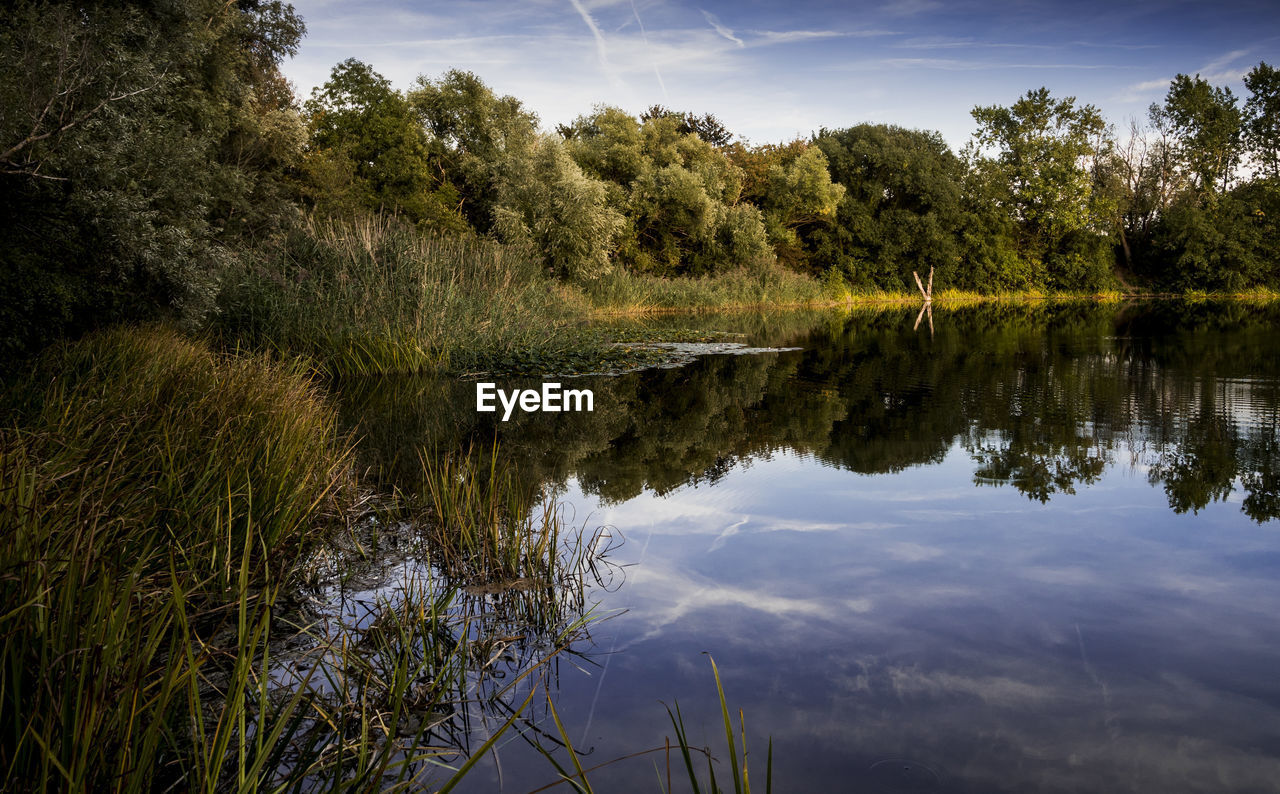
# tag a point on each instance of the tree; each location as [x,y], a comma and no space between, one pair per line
[1206,126]
[792,185]
[681,197]
[1262,118]
[707,127]
[138,141]
[368,152]
[1045,149]
[545,201]
[471,131]
[901,210]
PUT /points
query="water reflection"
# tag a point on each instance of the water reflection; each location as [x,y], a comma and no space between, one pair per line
[1023,553]
[1041,396]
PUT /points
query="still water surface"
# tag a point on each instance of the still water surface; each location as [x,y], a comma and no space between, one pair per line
[1035,550]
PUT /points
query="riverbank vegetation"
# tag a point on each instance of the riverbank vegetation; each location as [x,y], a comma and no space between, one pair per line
[187,244]
[162,509]
[158,165]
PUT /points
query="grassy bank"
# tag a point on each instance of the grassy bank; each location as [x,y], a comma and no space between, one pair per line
[153,495]
[624,293]
[157,500]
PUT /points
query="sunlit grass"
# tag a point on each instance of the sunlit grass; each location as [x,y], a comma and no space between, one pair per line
[157,500]
[376,296]
[153,494]
[629,293]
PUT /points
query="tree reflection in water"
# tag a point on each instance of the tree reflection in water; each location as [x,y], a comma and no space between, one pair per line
[1044,397]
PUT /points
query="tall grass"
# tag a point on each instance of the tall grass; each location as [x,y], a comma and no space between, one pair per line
[156,499]
[375,296]
[152,492]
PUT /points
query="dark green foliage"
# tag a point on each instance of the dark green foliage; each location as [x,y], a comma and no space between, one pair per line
[901,211]
[368,153]
[791,183]
[1230,244]
[136,142]
[1262,118]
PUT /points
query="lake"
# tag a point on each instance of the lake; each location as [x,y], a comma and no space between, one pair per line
[1031,548]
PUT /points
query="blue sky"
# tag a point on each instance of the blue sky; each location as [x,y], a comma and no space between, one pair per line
[772,70]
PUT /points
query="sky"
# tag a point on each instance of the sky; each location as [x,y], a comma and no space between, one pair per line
[773,71]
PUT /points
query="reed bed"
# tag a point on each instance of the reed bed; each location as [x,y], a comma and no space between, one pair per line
[376,296]
[629,293]
[153,493]
[156,502]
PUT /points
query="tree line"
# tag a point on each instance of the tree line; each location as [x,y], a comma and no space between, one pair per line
[146,147]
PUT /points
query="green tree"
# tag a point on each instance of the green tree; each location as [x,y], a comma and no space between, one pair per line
[516,184]
[472,132]
[138,143]
[681,197]
[1262,118]
[1044,150]
[791,184]
[1231,244]
[901,210]
[368,152]
[1206,125]
[544,200]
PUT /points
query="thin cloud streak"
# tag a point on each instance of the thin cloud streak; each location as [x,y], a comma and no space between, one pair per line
[788,36]
[957,65]
[601,50]
[721,29]
[644,35]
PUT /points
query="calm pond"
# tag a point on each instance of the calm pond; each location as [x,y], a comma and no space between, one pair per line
[1035,549]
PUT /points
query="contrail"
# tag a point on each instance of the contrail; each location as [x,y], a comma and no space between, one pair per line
[595,31]
[715,23]
[645,36]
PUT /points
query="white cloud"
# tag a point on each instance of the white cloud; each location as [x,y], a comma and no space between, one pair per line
[601,50]
[721,29]
[1217,65]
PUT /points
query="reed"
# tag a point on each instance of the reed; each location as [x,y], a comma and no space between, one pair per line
[628,293]
[153,493]
[578,778]
[375,296]
[156,499]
